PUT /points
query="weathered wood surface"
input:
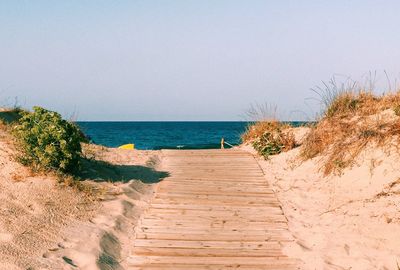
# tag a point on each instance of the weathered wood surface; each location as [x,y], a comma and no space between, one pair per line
[215,211]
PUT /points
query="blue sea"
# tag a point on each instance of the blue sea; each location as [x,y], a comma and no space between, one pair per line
[164,135]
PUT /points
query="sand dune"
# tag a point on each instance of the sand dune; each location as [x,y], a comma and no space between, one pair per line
[34,212]
[346,221]
[45,225]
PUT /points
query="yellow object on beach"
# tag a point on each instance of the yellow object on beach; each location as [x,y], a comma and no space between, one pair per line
[129,146]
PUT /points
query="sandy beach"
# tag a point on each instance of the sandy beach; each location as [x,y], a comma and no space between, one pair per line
[345,221]
[47,225]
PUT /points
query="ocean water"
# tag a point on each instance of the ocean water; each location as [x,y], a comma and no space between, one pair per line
[165,135]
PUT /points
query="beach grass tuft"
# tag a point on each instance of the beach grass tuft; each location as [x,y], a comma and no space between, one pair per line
[266,134]
[353,118]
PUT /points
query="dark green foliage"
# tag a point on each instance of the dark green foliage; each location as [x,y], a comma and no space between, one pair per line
[47,141]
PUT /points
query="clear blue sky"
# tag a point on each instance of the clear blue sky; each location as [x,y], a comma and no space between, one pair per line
[188,60]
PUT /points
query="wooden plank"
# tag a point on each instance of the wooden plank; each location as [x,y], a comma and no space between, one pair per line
[214,213]
[219,197]
[200,219]
[215,179]
[206,209]
[140,260]
[221,175]
[267,198]
[210,252]
[237,213]
[201,183]
[215,189]
[213,230]
[223,171]
[236,191]
[221,224]
[253,208]
[214,167]
[212,267]
[251,245]
[248,202]
[217,237]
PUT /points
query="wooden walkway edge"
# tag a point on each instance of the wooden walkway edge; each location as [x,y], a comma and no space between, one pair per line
[215,211]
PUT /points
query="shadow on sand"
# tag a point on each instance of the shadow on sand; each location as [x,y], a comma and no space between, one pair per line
[101,171]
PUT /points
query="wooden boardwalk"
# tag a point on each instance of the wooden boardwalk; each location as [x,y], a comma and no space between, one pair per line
[215,211]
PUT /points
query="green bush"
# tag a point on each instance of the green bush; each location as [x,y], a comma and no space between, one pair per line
[47,141]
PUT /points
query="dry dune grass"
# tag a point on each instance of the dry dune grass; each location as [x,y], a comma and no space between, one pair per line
[269,137]
[352,120]
[350,218]
[257,129]
[266,134]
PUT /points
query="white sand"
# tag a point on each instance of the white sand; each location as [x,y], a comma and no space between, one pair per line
[46,226]
[105,242]
[34,210]
[348,221]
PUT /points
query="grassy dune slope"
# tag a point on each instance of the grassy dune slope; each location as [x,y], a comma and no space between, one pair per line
[340,187]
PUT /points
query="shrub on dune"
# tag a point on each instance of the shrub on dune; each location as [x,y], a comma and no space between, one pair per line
[48,142]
